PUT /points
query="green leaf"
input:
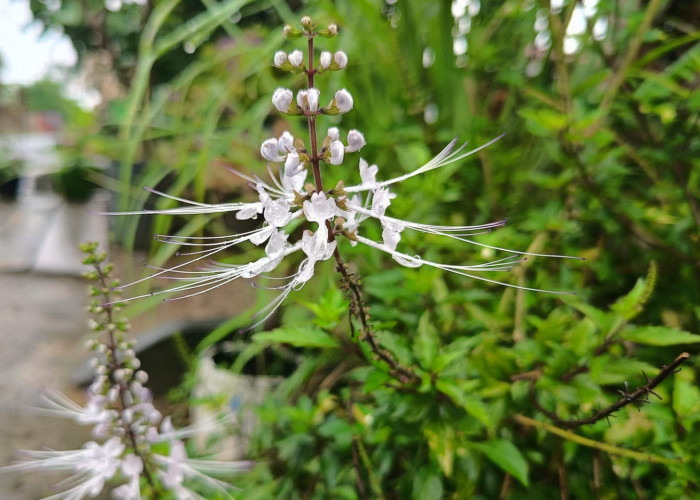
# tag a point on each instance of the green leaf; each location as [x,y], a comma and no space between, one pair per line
[470,403]
[504,454]
[686,397]
[426,486]
[458,349]
[375,379]
[298,336]
[329,308]
[396,345]
[632,304]
[627,306]
[659,336]
[425,346]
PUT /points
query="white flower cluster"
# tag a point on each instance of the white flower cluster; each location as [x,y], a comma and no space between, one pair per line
[123,417]
[286,201]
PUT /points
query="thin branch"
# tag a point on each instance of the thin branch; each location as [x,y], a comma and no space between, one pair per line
[640,395]
[608,448]
[360,311]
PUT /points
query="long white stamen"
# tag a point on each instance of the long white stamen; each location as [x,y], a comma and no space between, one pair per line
[449,268]
[445,157]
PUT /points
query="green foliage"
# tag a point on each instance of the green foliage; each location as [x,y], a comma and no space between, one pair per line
[600,160]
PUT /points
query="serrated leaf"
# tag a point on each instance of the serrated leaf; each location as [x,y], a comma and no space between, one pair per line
[504,454]
[659,336]
[297,336]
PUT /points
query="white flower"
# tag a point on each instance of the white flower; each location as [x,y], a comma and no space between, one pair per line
[391,234]
[276,201]
[277,212]
[292,165]
[308,99]
[280,58]
[277,244]
[336,153]
[285,144]
[270,150]
[296,58]
[250,211]
[316,245]
[295,182]
[325,59]
[320,208]
[101,462]
[381,199]
[175,473]
[368,174]
[282,98]
[341,59]
[343,101]
[356,141]
[132,466]
[333,133]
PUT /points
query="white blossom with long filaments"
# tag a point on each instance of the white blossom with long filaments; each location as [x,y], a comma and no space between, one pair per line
[369,200]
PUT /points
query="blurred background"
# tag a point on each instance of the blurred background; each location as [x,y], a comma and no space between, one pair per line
[599,102]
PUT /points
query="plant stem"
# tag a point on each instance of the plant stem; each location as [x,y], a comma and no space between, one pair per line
[113,367]
[614,450]
[638,395]
[358,307]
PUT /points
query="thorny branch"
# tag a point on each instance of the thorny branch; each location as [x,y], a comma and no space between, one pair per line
[360,311]
[350,282]
[638,396]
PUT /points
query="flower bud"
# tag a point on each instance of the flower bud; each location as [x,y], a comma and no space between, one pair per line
[270,151]
[282,100]
[308,99]
[341,59]
[307,23]
[291,33]
[333,133]
[356,141]
[335,153]
[280,59]
[342,103]
[296,59]
[285,144]
[325,60]
[329,32]
[292,165]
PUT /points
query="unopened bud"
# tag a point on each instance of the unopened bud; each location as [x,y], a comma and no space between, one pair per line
[342,103]
[296,59]
[308,99]
[329,32]
[341,59]
[335,153]
[291,33]
[333,133]
[280,59]
[325,59]
[283,100]
[307,23]
[356,141]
